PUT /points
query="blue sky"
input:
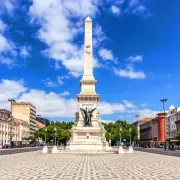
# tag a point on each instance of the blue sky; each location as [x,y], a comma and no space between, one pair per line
[135,47]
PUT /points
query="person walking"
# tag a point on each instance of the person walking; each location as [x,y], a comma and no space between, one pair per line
[165,146]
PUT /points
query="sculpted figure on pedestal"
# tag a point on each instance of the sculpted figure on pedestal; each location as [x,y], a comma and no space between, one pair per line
[87,116]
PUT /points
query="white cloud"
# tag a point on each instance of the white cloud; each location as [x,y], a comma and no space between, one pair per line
[137,58]
[10,89]
[110,108]
[115,9]
[144,105]
[130,73]
[51,104]
[129,104]
[106,54]
[147,113]
[65,93]
[7,5]
[98,36]
[8,61]
[5,44]
[139,9]
[61,78]
[56,105]
[49,83]
[133,2]
[24,51]
[2,26]
[59,36]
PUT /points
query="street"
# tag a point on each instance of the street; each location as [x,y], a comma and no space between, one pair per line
[19,150]
[159,151]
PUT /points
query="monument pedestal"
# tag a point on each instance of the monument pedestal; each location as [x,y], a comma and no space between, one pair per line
[87,139]
[120,150]
[54,150]
[130,150]
[45,149]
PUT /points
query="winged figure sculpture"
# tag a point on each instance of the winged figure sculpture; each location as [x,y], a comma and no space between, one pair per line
[87,116]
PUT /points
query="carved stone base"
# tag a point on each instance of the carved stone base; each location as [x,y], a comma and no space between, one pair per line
[54,149]
[130,150]
[120,150]
[87,139]
[45,149]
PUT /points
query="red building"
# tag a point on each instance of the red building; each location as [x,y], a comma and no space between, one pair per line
[161,118]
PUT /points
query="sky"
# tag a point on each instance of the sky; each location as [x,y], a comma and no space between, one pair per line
[136,55]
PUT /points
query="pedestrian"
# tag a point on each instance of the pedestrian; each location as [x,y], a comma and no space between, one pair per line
[172,147]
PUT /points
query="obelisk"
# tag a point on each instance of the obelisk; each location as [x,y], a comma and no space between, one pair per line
[88,82]
[88,137]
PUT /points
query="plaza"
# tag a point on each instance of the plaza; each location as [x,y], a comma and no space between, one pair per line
[81,166]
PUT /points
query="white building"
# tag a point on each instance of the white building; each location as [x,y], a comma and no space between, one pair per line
[12,130]
[171,125]
[8,128]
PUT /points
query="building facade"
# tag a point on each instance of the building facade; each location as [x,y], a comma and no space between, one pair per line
[8,128]
[172,122]
[40,125]
[178,121]
[43,121]
[146,131]
[26,112]
[138,124]
[155,129]
[23,131]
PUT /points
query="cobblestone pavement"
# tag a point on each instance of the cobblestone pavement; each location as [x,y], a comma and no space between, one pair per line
[137,166]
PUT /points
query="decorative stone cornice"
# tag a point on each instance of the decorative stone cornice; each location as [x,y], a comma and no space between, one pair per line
[88,98]
[88,82]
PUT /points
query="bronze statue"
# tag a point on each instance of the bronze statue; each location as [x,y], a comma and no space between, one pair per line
[87,116]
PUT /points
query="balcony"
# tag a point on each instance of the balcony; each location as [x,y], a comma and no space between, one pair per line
[177,122]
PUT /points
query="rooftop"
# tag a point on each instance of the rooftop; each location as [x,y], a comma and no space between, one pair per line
[23,103]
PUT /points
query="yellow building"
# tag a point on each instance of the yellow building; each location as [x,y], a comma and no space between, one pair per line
[26,112]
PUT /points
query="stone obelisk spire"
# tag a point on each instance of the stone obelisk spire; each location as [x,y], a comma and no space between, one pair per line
[88,82]
[88,53]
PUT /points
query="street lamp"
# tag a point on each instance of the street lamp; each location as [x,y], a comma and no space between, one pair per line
[163,101]
[120,130]
[45,135]
[55,134]
[130,134]
[11,134]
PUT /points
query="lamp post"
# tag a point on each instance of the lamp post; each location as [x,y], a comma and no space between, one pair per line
[163,101]
[138,129]
[11,134]
[45,135]
[130,134]
[120,130]
[55,135]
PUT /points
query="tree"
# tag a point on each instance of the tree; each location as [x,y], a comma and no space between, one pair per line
[113,129]
[178,135]
[63,133]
